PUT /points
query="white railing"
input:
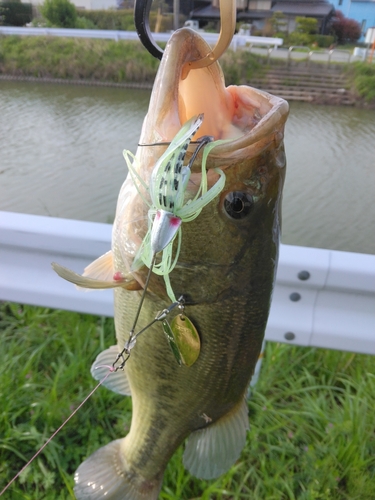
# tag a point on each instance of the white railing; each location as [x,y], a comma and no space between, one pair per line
[322,298]
[211,38]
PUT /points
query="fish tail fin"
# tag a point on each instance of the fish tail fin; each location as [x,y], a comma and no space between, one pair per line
[106,474]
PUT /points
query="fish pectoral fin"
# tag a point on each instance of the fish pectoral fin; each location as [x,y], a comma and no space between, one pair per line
[85,283]
[211,451]
[101,269]
[116,381]
[106,474]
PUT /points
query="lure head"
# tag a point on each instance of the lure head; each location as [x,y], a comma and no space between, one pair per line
[164,229]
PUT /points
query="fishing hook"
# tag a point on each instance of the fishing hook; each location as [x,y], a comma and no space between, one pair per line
[227,29]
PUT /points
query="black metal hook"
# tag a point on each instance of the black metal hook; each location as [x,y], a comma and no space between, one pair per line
[142,26]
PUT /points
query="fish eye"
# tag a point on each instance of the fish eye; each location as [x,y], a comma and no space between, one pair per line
[238,204]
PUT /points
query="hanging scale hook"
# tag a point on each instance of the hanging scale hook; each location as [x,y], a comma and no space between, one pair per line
[228,26]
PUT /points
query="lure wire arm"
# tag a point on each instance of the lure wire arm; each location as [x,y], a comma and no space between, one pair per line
[228,25]
[160,316]
[202,142]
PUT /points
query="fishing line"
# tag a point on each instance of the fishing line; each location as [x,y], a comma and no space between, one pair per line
[162,143]
[132,338]
[111,370]
[143,294]
[198,141]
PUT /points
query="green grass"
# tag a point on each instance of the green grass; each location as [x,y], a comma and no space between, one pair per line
[312,416]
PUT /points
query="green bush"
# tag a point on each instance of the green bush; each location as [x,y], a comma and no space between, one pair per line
[324,41]
[305,32]
[240,67]
[111,20]
[60,13]
[83,23]
[15,13]
[306,40]
[296,38]
[124,20]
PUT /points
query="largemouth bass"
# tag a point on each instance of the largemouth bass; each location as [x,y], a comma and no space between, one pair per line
[225,271]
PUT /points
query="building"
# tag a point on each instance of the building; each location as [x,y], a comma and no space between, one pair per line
[85,4]
[362,11]
[256,12]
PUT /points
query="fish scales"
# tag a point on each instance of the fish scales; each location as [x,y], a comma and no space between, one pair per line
[225,271]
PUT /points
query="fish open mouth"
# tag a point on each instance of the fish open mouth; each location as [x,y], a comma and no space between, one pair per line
[250,122]
[242,114]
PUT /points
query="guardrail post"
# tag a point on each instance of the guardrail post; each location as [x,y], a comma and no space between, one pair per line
[270,49]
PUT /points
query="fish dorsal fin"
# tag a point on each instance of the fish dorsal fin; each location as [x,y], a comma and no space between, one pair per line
[116,381]
[106,474]
[98,275]
[211,451]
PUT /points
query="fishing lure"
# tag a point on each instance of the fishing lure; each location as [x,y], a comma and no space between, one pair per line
[169,208]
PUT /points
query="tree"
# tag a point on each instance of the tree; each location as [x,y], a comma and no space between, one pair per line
[306,25]
[15,13]
[60,13]
[278,22]
[346,30]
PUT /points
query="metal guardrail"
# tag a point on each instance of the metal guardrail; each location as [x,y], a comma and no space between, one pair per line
[336,51]
[322,298]
[265,46]
[316,52]
[299,48]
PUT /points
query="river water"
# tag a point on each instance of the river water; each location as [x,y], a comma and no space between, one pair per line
[61,155]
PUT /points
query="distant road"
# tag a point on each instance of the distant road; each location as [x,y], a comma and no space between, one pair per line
[238,40]
[256,44]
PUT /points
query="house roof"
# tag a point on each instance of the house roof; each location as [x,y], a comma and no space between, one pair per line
[320,8]
[302,8]
[253,14]
[208,12]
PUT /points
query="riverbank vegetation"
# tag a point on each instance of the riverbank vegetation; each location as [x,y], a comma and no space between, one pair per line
[127,62]
[363,80]
[99,60]
[70,58]
[312,416]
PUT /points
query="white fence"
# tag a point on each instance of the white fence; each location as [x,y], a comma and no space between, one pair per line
[211,38]
[323,298]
